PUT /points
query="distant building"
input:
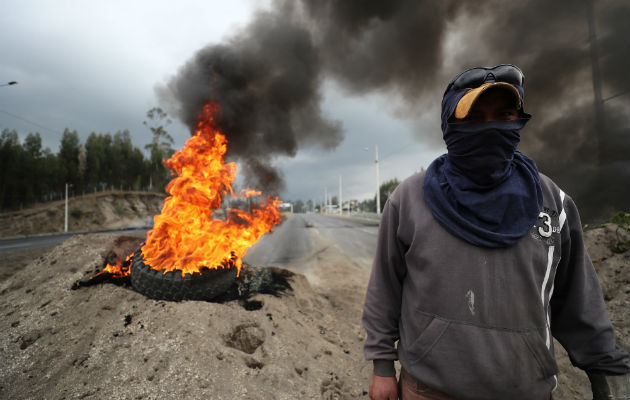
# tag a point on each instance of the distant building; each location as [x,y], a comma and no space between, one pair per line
[286,208]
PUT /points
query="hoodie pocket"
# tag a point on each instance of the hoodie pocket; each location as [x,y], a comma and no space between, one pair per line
[540,352]
[429,337]
[487,361]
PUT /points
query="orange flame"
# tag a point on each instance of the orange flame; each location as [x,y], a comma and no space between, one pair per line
[185,236]
[248,193]
[119,270]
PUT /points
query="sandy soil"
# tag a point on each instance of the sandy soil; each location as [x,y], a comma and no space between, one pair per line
[94,211]
[109,342]
[613,269]
[14,261]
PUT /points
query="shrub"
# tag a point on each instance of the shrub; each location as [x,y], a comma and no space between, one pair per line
[119,207]
[76,213]
[622,220]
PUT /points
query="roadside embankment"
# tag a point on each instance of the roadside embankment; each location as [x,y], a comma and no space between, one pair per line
[94,211]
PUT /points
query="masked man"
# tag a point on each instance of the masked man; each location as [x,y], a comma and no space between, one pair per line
[479,262]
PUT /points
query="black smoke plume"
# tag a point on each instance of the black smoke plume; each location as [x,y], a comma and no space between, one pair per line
[268,78]
[585,154]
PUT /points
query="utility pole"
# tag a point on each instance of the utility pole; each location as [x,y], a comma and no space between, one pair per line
[378,189]
[340,198]
[326,199]
[65,225]
[597,85]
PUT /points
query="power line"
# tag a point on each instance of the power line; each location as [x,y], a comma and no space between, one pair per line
[30,122]
[397,151]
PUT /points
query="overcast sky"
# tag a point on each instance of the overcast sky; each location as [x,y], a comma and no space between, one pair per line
[379,67]
[93,67]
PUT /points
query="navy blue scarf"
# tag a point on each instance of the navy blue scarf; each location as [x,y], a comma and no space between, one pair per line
[483,190]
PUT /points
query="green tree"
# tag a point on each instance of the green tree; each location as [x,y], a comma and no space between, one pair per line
[121,151]
[368,205]
[33,145]
[69,156]
[98,172]
[298,206]
[82,165]
[138,169]
[50,176]
[29,173]
[160,146]
[386,189]
[32,168]
[10,158]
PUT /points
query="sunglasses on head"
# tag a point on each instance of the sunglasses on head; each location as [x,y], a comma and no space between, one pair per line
[475,77]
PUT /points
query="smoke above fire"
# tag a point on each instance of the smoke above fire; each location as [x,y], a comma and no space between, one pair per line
[268,79]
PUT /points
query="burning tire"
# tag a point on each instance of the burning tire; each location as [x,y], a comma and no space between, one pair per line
[206,285]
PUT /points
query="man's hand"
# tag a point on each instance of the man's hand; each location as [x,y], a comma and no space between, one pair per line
[383,388]
[609,387]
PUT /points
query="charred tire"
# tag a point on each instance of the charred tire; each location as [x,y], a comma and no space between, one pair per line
[206,285]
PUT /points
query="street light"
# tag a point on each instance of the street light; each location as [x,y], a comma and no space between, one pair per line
[340,198]
[378,184]
[9,83]
[65,225]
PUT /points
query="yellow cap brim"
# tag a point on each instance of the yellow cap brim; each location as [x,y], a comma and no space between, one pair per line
[468,100]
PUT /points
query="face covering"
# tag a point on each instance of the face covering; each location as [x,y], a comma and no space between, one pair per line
[483,152]
[483,190]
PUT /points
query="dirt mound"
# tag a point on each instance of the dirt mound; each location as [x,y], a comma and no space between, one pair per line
[612,263]
[102,210]
[110,342]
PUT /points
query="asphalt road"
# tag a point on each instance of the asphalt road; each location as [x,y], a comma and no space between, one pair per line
[301,235]
[291,243]
[53,239]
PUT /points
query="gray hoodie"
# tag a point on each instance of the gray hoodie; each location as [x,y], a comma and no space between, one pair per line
[476,323]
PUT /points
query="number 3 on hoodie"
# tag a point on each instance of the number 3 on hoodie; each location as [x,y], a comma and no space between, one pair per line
[546,230]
